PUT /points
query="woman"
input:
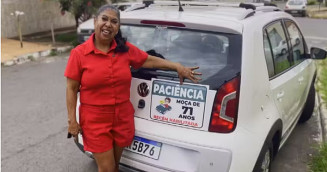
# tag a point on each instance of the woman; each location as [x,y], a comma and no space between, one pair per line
[100,70]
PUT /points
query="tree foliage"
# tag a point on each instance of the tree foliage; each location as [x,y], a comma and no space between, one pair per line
[81,9]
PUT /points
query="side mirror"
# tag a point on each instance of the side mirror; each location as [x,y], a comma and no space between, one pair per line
[318,53]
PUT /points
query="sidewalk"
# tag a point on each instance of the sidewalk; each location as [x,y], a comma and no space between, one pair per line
[12,53]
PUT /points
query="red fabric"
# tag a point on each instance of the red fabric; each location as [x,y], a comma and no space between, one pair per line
[105,125]
[106,114]
[105,77]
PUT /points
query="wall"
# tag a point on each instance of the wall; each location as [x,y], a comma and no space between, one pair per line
[39,14]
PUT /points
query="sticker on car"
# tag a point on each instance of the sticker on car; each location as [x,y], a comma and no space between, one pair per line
[178,104]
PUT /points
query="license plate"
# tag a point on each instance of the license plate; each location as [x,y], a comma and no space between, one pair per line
[293,12]
[145,147]
[86,38]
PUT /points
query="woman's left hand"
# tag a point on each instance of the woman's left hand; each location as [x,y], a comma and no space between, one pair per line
[189,73]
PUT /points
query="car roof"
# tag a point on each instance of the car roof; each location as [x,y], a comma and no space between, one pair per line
[211,16]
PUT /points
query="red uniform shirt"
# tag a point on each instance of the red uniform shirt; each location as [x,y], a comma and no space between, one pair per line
[105,78]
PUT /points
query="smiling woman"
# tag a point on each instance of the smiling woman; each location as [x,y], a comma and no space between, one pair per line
[100,70]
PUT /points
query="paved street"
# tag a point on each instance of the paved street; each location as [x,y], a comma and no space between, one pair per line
[34,119]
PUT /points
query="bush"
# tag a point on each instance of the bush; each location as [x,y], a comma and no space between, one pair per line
[312,2]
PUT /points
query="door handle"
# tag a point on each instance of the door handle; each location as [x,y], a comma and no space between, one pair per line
[280,95]
[301,79]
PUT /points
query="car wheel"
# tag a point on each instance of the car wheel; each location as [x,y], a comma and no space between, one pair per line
[297,41]
[304,14]
[265,159]
[283,51]
[309,105]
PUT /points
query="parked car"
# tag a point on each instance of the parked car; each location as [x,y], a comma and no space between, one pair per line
[249,99]
[296,7]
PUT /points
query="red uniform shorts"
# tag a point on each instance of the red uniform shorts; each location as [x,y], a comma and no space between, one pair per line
[103,126]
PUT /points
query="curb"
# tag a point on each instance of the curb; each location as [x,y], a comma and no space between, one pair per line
[36,55]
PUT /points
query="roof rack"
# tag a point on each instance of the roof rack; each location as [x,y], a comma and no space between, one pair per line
[251,7]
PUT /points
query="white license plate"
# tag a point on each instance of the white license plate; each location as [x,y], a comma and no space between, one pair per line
[86,38]
[145,147]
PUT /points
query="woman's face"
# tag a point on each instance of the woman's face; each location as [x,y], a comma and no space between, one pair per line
[106,25]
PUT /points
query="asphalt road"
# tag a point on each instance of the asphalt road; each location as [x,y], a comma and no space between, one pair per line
[34,118]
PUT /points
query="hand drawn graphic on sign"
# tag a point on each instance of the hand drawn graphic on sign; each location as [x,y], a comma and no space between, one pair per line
[164,106]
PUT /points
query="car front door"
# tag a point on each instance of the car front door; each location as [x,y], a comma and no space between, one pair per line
[301,65]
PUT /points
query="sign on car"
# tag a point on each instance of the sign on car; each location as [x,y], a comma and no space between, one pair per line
[178,104]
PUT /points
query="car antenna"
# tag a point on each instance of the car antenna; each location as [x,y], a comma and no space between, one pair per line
[180,6]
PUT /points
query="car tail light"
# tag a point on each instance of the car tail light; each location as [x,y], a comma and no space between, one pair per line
[164,23]
[286,7]
[224,112]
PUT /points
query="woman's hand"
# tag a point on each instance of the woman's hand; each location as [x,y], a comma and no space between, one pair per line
[187,72]
[74,128]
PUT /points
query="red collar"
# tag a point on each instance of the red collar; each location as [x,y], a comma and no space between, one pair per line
[90,46]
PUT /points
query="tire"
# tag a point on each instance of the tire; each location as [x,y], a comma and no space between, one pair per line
[265,159]
[283,51]
[304,14]
[297,41]
[309,105]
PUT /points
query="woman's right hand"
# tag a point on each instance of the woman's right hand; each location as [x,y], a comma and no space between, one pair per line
[74,128]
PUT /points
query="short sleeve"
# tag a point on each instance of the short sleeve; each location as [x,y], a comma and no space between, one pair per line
[73,68]
[137,56]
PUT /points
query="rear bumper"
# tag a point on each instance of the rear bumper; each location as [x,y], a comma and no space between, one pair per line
[295,11]
[181,157]
[192,150]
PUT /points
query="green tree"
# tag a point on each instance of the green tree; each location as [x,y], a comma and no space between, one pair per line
[81,9]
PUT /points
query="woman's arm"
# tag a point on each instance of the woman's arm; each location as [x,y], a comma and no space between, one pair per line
[183,72]
[71,99]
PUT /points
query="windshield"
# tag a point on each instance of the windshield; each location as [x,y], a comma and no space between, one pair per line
[217,54]
[296,2]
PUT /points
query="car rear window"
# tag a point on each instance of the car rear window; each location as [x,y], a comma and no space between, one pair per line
[296,2]
[217,54]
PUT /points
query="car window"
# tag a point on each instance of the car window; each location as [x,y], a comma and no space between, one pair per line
[217,54]
[296,41]
[279,46]
[268,55]
[296,2]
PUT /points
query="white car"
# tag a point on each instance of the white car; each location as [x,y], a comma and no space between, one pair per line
[248,102]
[296,7]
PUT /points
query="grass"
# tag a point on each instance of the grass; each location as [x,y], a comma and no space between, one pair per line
[319,161]
[322,80]
[66,37]
[70,37]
